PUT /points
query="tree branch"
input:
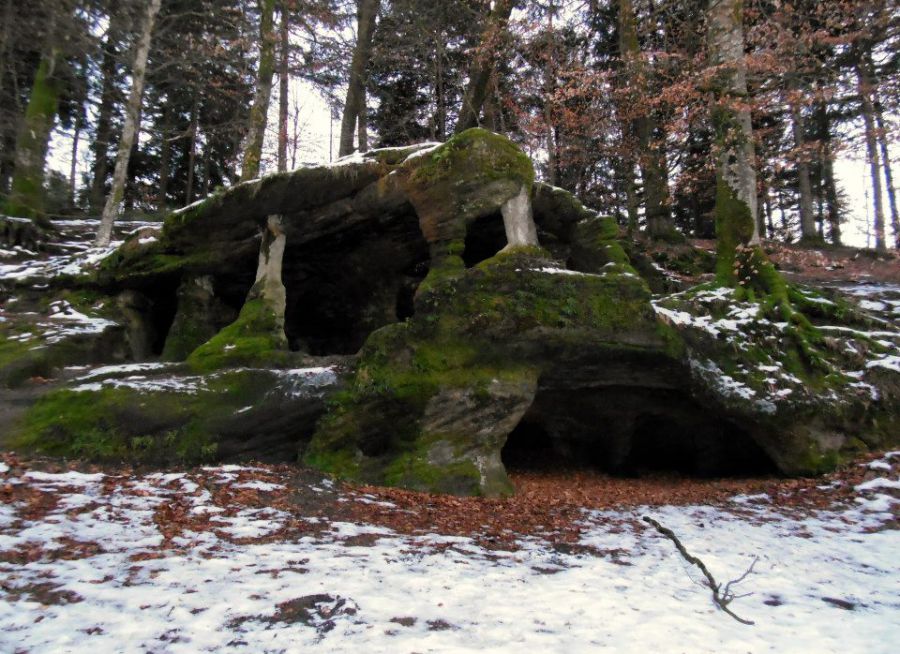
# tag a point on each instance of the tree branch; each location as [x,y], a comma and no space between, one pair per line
[722,597]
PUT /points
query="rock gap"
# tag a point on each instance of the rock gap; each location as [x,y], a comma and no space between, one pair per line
[485,237]
[631,432]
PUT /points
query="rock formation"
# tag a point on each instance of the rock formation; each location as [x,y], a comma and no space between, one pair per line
[412,316]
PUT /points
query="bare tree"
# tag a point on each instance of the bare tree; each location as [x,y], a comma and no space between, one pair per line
[355,105]
[260,109]
[132,121]
[483,65]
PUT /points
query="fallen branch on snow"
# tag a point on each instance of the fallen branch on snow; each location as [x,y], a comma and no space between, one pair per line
[722,597]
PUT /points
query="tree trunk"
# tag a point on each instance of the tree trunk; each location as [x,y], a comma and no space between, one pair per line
[131,186]
[259,111]
[103,131]
[355,104]
[73,168]
[4,40]
[631,203]
[832,208]
[736,208]
[129,131]
[362,117]
[206,172]
[27,190]
[807,219]
[549,113]
[283,88]
[192,155]
[651,156]
[888,173]
[483,64]
[864,85]
[440,101]
[165,158]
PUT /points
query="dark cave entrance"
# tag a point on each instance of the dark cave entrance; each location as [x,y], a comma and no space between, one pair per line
[631,432]
[485,237]
[343,287]
[163,306]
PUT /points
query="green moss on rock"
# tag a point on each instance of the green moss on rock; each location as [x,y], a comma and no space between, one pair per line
[433,399]
[255,338]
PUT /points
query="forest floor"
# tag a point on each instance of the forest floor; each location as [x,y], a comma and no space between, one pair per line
[263,558]
[274,558]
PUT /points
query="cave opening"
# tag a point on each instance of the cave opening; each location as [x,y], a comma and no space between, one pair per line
[163,305]
[342,288]
[624,432]
[485,237]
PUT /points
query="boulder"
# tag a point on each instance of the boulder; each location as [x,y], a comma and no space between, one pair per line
[466,317]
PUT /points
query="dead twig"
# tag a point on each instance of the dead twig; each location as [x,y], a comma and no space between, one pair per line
[722,597]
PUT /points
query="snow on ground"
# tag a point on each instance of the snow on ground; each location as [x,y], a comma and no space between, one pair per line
[200,562]
[74,252]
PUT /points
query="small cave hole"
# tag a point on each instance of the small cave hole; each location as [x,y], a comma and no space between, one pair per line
[485,237]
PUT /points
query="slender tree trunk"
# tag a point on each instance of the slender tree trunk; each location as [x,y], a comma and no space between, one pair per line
[259,111]
[439,101]
[864,85]
[165,158]
[807,219]
[651,156]
[354,106]
[26,192]
[206,172]
[130,129]
[192,155]
[4,41]
[888,173]
[283,88]
[767,203]
[549,92]
[362,118]
[631,202]
[73,168]
[103,131]
[760,218]
[736,208]
[832,208]
[295,135]
[483,65]
[131,186]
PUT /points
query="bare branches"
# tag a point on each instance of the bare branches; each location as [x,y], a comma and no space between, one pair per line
[722,596]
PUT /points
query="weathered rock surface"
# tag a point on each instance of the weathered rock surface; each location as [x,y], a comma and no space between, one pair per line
[422,316]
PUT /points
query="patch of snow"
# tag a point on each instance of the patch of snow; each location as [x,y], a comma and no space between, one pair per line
[259,485]
[889,361]
[558,271]
[189,384]
[125,368]
[427,148]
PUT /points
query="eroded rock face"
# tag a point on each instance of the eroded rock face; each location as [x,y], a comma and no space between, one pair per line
[461,314]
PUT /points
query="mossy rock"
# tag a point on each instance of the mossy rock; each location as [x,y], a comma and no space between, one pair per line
[471,175]
[433,399]
[174,418]
[255,339]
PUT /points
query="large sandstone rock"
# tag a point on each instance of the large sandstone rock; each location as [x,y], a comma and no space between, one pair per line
[462,314]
